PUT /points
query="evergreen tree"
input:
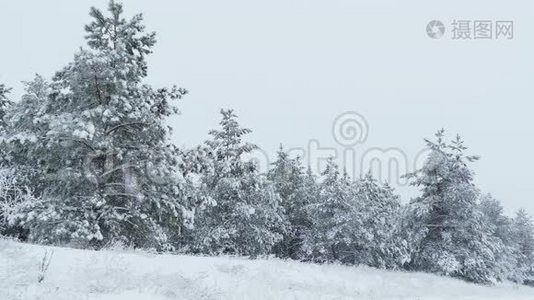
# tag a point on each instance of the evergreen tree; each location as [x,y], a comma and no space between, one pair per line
[246,217]
[378,239]
[524,237]
[310,192]
[289,179]
[507,254]
[451,237]
[19,133]
[335,220]
[493,213]
[310,189]
[4,104]
[22,138]
[13,198]
[103,166]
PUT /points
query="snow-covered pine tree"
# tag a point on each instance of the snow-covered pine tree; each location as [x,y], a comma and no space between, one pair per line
[310,192]
[194,164]
[335,218]
[246,218]
[14,197]
[97,145]
[378,238]
[287,175]
[23,142]
[310,189]
[507,255]
[523,228]
[8,199]
[451,237]
[4,104]
[19,160]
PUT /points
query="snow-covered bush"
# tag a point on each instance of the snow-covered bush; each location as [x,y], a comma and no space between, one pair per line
[14,200]
[354,222]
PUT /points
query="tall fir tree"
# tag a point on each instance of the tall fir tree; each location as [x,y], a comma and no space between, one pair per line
[96,148]
[246,217]
[451,237]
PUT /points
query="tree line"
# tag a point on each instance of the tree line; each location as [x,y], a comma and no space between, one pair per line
[86,161]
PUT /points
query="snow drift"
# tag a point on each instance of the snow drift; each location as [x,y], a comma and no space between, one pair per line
[119,274]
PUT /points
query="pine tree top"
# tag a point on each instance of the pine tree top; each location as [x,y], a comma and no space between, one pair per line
[229,138]
[115,33]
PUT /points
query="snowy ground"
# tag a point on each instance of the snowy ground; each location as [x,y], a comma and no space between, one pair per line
[118,275]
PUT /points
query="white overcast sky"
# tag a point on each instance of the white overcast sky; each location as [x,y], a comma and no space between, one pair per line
[289,68]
